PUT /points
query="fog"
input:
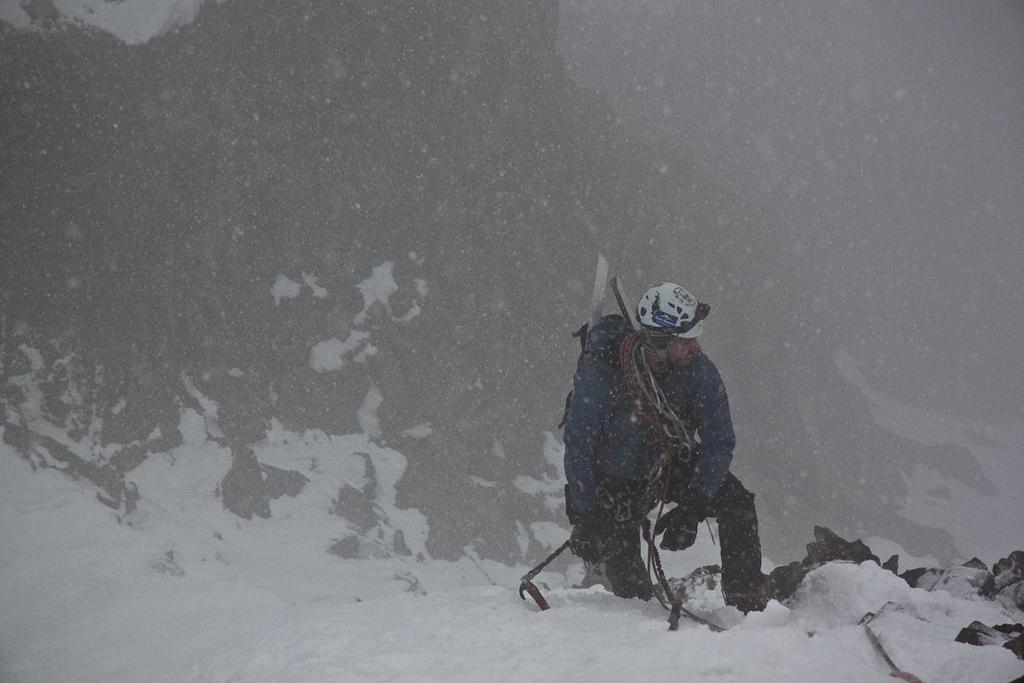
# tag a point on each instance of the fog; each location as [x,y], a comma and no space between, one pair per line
[187,222]
[889,140]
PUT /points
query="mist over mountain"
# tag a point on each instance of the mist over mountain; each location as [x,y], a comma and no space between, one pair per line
[155,194]
[874,154]
[382,218]
[887,142]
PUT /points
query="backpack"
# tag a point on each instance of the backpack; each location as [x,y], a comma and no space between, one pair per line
[620,327]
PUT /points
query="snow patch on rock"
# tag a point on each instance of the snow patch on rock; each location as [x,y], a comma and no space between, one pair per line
[377,290]
[367,415]
[329,355]
[314,286]
[284,288]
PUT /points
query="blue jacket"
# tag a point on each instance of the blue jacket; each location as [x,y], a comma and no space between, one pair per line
[603,437]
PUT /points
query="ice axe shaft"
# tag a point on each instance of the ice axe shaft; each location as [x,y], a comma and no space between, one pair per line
[618,288]
[894,669]
[600,285]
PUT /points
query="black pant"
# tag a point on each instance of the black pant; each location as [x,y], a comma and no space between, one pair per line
[627,570]
[733,506]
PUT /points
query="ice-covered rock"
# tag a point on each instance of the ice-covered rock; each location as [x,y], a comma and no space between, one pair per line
[964,581]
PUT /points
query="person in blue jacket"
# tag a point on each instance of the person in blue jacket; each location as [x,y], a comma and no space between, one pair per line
[648,422]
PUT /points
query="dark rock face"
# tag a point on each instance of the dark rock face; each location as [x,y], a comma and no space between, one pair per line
[1016,643]
[356,507]
[1009,570]
[977,633]
[278,482]
[829,546]
[921,577]
[269,139]
[1012,595]
[242,489]
[1008,580]
[249,485]
[347,548]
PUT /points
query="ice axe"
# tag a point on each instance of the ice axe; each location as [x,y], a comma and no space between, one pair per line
[894,670]
[526,584]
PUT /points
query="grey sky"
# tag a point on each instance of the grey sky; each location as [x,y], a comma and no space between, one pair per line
[889,137]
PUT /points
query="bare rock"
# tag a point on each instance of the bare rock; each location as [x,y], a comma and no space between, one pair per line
[356,507]
[347,548]
[1012,596]
[922,577]
[785,579]
[242,489]
[829,547]
[249,485]
[1009,570]
[1010,636]
[278,482]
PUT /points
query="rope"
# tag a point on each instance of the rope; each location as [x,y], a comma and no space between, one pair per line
[654,410]
[659,574]
[653,407]
[672,441]
[652,550]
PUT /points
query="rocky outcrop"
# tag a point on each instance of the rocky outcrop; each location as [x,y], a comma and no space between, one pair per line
[1010,636]
[158,191]
[249,486]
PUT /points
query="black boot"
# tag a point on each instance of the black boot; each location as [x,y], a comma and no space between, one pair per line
[754,600]
[626,570]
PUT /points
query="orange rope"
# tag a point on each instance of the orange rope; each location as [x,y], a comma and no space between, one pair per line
[644,410]
[648,416]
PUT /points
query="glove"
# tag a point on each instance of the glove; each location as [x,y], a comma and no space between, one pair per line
[591,541]
[680,528]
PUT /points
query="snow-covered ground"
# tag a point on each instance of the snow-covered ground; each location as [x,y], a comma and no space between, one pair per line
[189,592]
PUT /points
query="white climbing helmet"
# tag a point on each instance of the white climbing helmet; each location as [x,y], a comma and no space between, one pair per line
[667,307]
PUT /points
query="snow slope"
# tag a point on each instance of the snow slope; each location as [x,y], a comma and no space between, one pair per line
[984,524]
[189,592]
[485,633]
